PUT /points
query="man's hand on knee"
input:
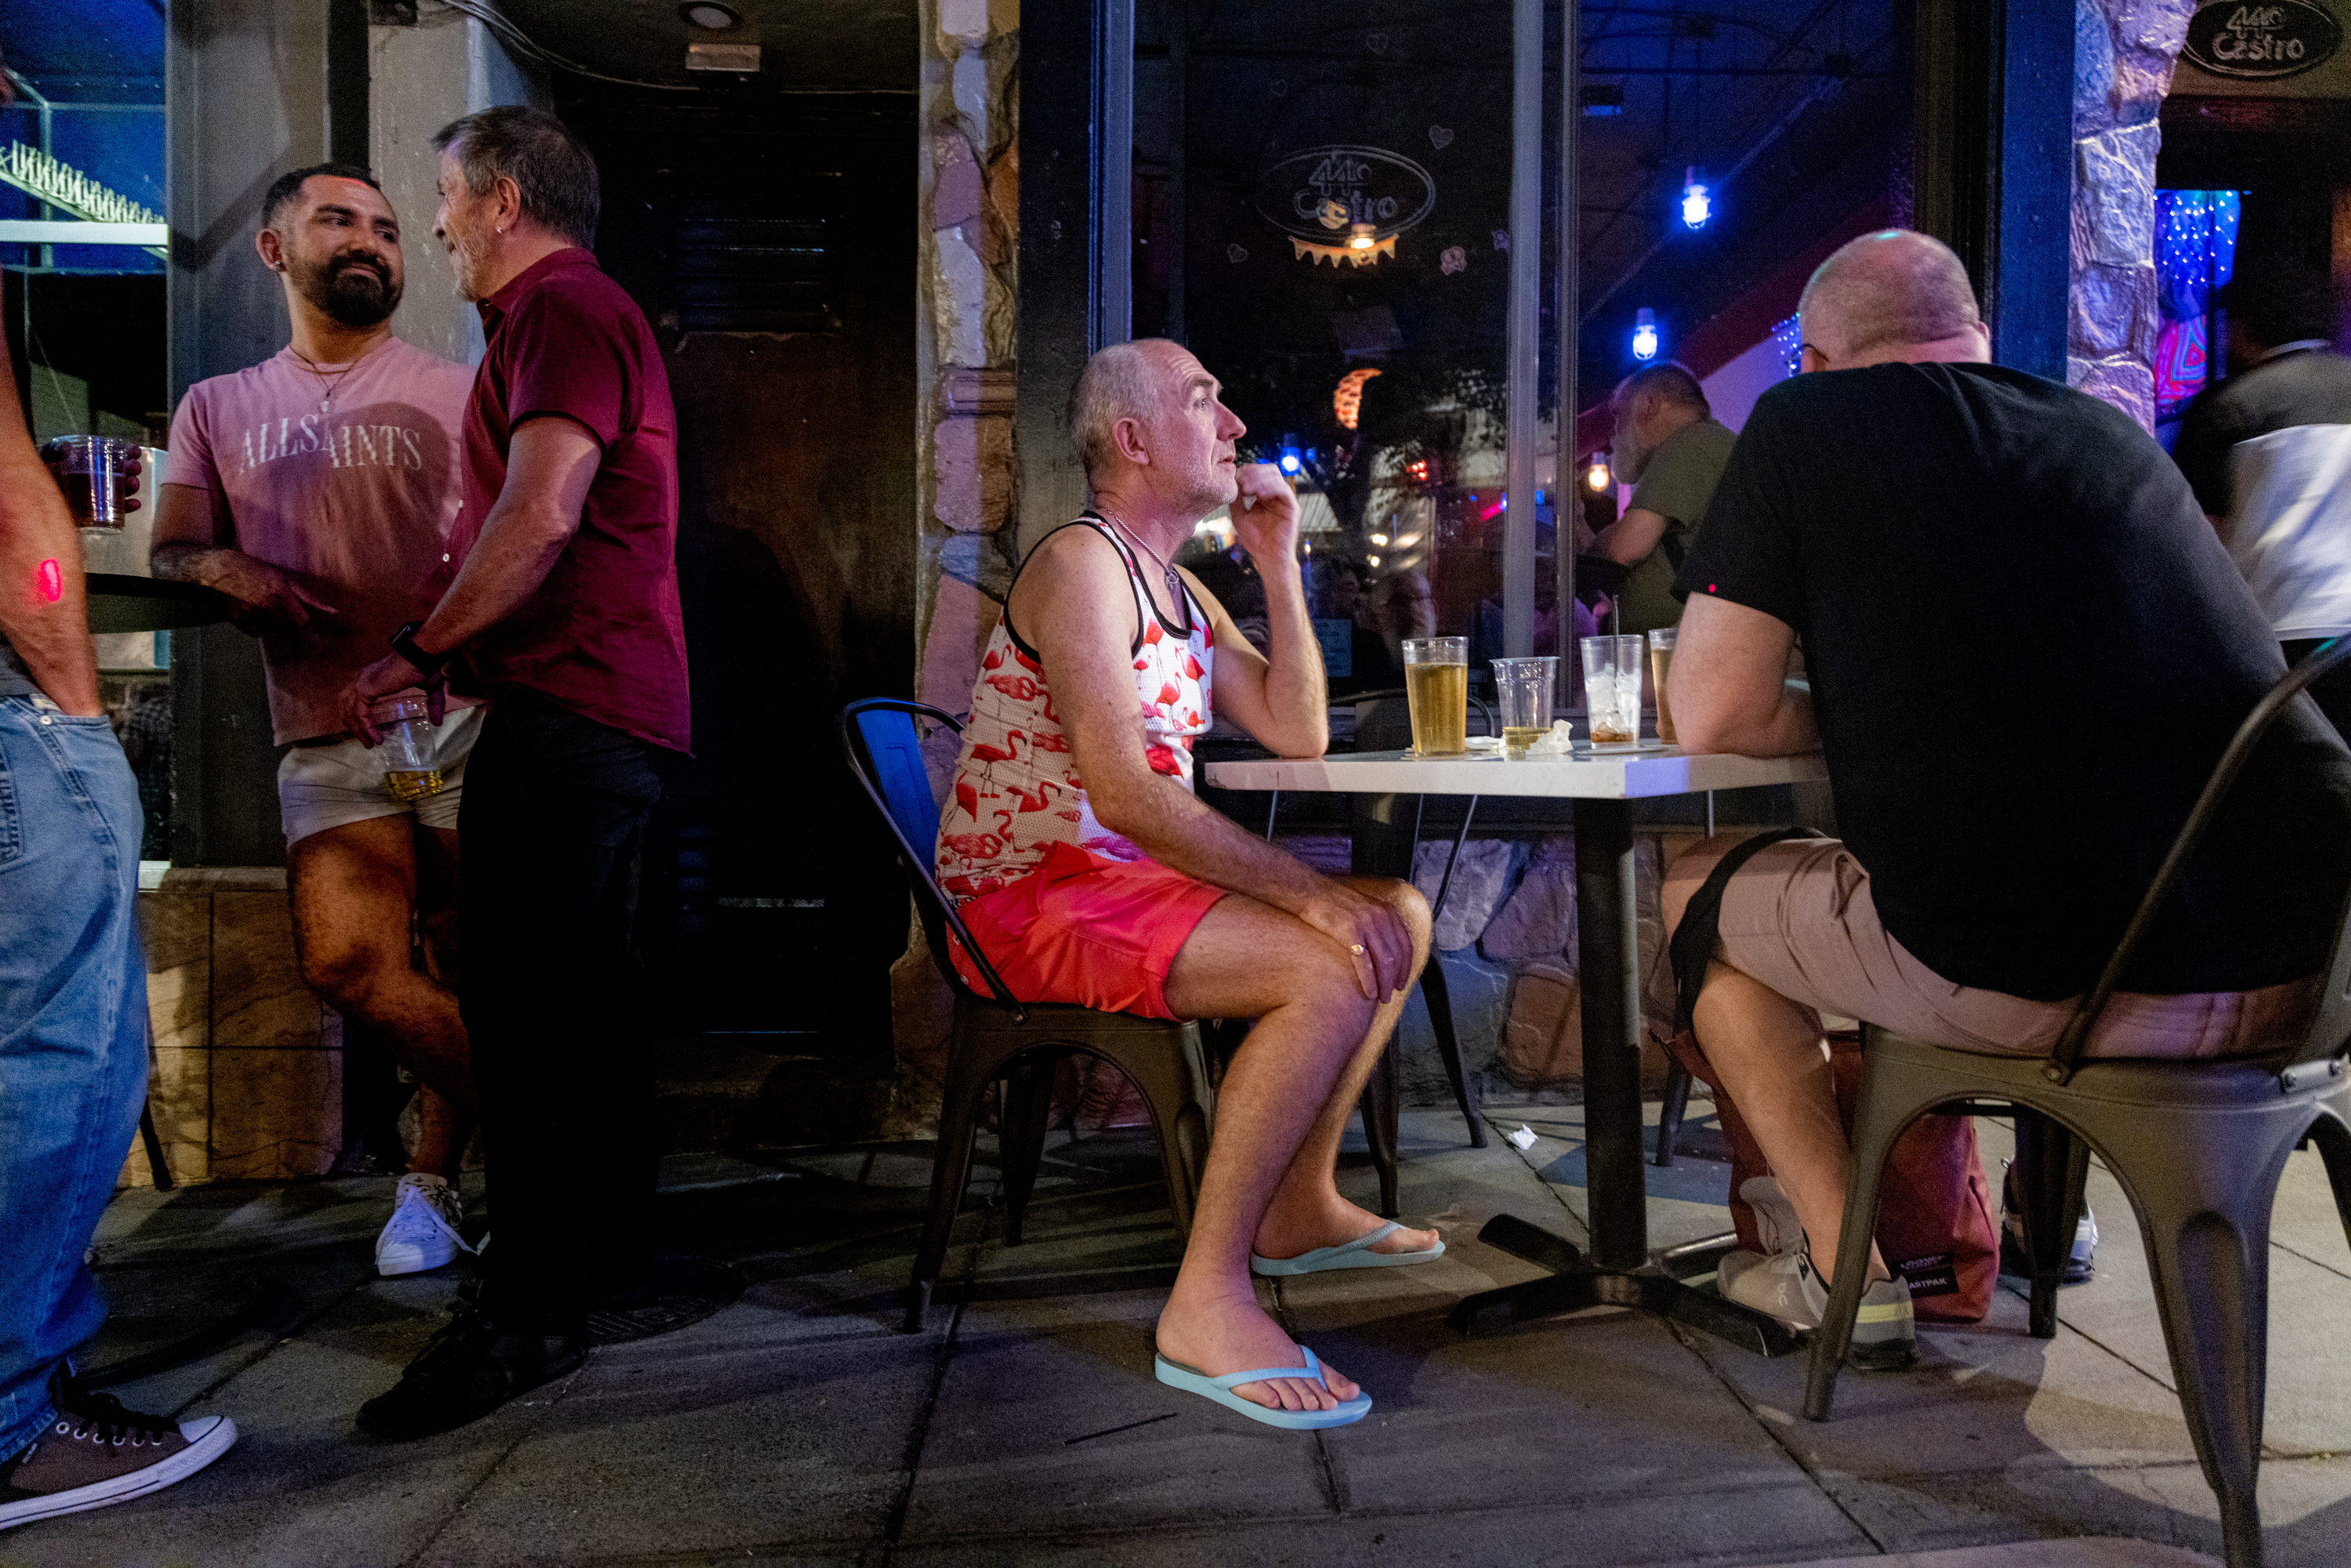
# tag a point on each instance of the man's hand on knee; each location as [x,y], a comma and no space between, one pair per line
[1375,936]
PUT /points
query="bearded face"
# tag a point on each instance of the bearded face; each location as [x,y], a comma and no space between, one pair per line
[355,288]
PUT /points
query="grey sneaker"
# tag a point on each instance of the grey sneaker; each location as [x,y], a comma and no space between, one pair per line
[96,1452]
[423,1231]
[1885,1333]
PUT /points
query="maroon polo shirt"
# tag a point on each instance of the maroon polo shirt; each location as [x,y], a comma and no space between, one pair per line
[602,636]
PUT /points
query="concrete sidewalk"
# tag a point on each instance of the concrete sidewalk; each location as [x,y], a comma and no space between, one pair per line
[798,1427]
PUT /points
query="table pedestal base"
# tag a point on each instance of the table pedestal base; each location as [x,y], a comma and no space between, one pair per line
[1576,1282]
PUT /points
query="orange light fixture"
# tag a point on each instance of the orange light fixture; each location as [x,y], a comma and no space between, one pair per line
[1347,403]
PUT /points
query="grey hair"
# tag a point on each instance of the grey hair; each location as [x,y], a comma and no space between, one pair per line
[1675,383]
[1117,383]
[1895,285]
[553,172]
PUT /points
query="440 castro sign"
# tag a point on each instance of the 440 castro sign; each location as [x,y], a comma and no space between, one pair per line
[1344,203]
[2262,42]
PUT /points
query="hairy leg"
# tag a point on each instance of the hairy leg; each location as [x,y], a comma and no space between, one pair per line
[1769,1057]
[1247,959]
[354,889]
[1307,1211]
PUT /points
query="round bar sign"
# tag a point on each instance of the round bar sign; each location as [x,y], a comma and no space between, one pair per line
[2260,42]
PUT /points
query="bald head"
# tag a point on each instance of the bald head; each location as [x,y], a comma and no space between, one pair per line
[1896,295]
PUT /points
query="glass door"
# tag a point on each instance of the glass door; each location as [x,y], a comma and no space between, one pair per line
[1323,212]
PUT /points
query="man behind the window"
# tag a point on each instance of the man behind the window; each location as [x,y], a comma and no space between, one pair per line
[1670,449]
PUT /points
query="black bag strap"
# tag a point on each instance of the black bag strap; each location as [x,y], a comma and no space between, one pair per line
[1695,938]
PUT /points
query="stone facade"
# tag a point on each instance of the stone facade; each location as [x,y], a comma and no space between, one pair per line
[970,182]
[247,1082]
[2123,55]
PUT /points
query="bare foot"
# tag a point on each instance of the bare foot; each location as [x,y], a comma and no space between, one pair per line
[1333,1223]
[1222,1336]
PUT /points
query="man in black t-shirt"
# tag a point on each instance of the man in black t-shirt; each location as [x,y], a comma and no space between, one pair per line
[2027,650]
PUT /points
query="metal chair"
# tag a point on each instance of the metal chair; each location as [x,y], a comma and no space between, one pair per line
[2197,1146]
[997,1036]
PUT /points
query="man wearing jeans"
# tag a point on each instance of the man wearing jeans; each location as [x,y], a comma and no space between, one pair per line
[73,1024]
[564,611]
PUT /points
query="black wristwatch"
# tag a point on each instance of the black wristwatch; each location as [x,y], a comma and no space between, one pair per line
[403,642]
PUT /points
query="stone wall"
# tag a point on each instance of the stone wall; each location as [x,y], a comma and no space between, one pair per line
[1507,938]
[969,223]
[2122,56]
[247,1082]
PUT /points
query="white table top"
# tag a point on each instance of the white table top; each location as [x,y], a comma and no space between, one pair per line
[1591,776]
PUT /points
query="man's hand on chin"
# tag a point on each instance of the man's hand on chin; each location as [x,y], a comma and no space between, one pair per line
[1265,515]
[380,680]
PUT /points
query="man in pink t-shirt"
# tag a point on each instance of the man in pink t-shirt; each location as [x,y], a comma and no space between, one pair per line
[318,490]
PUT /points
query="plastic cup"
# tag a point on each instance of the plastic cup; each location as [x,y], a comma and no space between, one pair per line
[410,769]
[1612,690]
[1437,690]
[1523,689]
[88,470]
[1661,659]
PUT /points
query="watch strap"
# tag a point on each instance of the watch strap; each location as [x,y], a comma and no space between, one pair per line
[403,642]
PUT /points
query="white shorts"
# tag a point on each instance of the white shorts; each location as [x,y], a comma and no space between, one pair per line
[323,787]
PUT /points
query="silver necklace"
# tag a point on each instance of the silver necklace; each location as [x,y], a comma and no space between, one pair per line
[1174,583]
[325,388]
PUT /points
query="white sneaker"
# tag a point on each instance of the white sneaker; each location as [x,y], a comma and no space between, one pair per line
[423,1231]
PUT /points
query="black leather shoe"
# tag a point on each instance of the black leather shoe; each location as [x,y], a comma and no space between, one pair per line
[464,1372]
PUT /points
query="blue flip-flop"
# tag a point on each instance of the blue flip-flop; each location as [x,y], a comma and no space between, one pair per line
[1192,1380]
[1355,1254]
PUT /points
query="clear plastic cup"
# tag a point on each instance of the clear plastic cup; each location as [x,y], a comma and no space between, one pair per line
[1437,690]
[1661,659]
[1612,690]
[1523,690]
[412,769]
[89,471]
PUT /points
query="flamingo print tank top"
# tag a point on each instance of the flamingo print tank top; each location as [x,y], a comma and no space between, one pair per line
[1016,792]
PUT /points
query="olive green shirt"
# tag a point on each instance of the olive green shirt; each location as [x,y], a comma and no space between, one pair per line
[1677,484]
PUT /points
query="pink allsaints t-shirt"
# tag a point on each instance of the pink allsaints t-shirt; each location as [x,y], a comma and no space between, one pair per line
[350,481]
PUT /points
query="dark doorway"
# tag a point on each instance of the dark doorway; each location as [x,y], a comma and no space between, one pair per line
[767,243]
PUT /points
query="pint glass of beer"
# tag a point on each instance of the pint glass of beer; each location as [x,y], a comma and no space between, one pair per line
[1436,689]
[1661,659]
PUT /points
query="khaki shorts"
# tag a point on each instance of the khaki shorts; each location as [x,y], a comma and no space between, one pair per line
[1798,917]
[330,786]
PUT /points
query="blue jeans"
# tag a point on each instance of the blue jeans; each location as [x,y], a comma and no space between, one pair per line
[73,1034]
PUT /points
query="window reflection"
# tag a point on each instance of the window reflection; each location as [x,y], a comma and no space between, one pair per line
[1327,227]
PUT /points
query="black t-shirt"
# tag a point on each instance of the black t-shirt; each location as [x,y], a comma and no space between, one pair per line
[2027,650]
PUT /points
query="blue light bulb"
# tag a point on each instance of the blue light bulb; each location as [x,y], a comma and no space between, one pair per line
[1644,334]
[1697,205]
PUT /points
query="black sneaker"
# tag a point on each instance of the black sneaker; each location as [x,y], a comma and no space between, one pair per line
[464,1372]
[96,1453]
[2081,1261]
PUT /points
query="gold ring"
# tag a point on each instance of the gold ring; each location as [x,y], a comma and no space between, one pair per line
[1357,949]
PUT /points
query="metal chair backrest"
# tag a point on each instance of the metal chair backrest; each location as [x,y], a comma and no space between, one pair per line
[878,739]
[2330,1029]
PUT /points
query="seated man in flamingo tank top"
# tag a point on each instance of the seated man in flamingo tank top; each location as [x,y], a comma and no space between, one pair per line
[1088,872]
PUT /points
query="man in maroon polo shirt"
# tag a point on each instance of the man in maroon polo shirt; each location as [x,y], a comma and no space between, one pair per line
[563,606]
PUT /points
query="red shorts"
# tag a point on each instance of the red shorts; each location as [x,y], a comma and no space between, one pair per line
[1086,929]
